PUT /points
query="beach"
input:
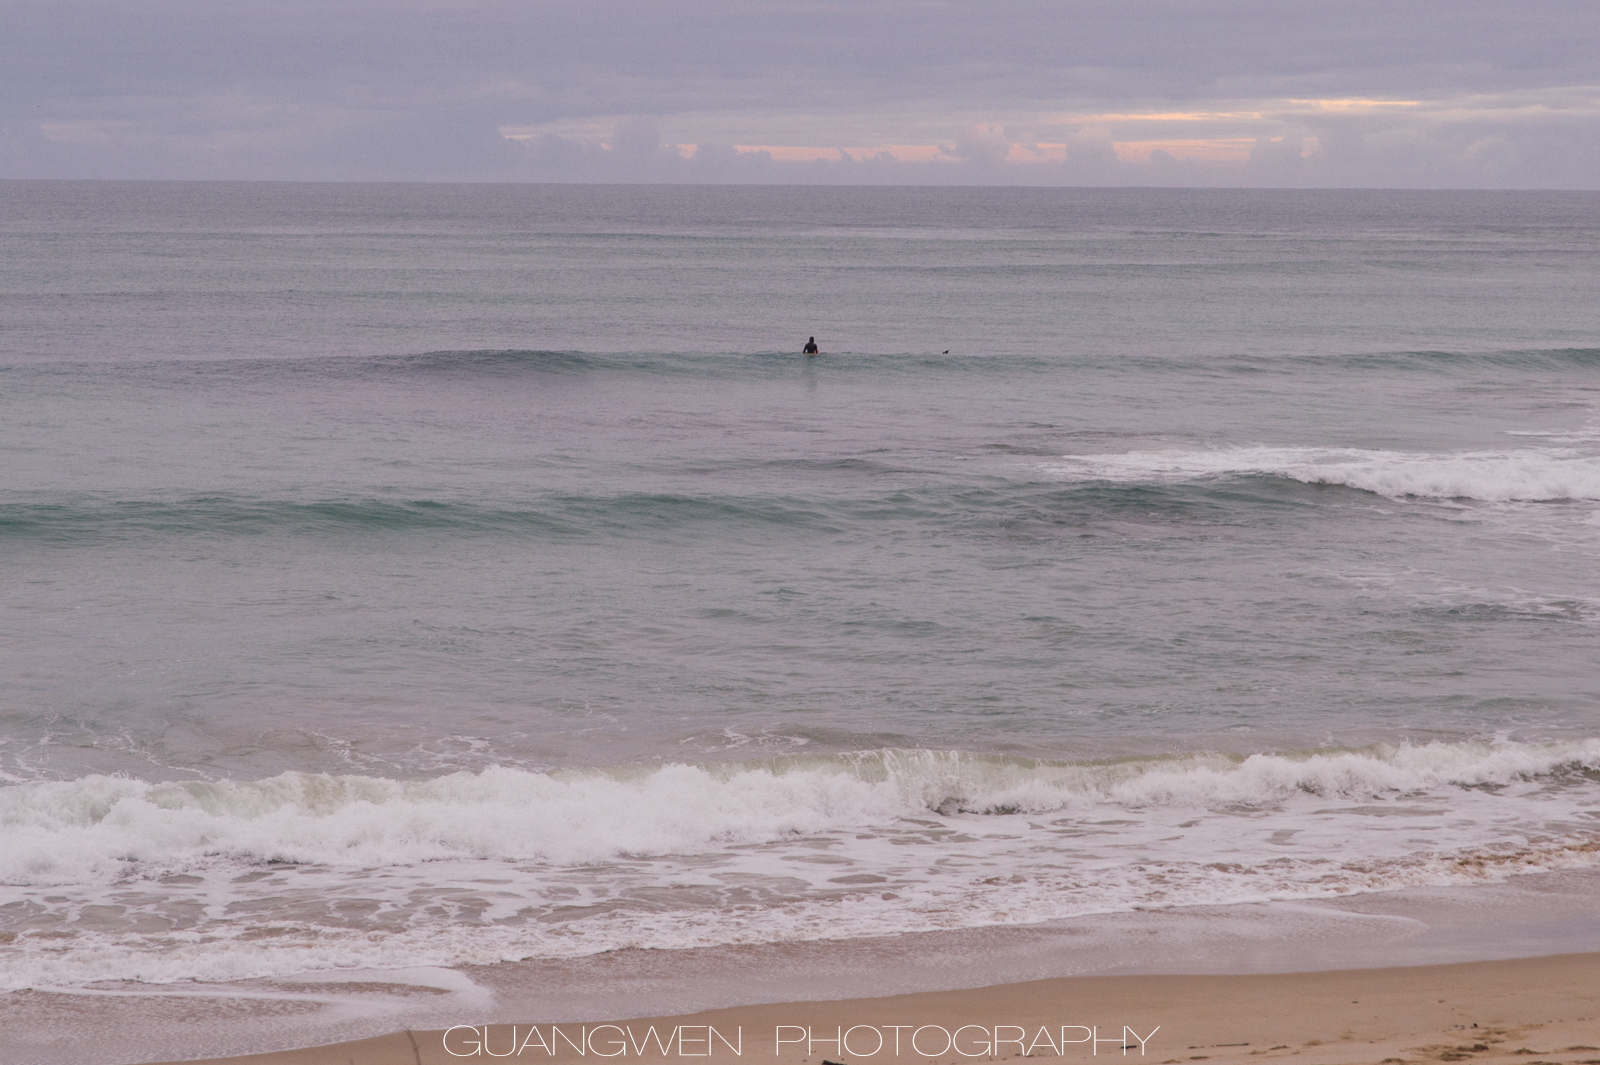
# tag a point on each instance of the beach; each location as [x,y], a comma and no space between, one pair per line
[1520,1011]
[1531,931]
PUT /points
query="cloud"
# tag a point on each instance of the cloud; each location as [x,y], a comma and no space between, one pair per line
[982,147]
[1431,92]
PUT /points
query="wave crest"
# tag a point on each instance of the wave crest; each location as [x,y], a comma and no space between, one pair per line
[1522,475]
[89,829]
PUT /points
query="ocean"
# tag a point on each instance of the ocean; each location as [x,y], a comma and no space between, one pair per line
[408,579]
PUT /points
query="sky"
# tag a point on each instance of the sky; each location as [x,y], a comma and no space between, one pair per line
[1291,93]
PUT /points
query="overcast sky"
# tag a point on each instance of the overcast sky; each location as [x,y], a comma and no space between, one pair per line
[1397,93]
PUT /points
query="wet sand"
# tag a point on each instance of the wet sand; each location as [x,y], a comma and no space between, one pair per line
[1517,1012]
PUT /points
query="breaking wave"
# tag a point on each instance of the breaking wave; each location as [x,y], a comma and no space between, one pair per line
[107,878]
[93,827]
[1522,475]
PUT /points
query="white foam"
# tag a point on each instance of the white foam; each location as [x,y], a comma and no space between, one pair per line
[88,830]
[111,878]
[1520,475]
[68,832]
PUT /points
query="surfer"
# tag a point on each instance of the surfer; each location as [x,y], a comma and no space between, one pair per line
[810,348]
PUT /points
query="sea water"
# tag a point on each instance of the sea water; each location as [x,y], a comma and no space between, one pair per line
[405,576]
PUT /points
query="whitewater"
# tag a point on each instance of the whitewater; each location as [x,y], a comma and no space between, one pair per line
[509,864]
[1515,475]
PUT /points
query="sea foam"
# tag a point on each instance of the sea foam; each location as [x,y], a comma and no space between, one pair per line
[1518,475]
[96,827]
[109,878]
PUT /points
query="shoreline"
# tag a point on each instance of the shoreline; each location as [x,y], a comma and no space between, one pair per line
[1523,1011]
[1525,917]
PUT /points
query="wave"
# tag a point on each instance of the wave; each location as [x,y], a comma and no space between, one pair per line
[512,362]
[509,364]
[89,829]
[488,361]
[1180,486]
[1522,475]
[1438,360]
[106,878]
[491,364]
[519,362]
[839,493]
[553,516]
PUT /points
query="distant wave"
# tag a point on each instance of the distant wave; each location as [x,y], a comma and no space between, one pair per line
[517,362]
[488,361]
[534,363]
[509,363]
[829,496]
[491,362]
[1510,358]
[1526,474]
[826,496]
[554,516]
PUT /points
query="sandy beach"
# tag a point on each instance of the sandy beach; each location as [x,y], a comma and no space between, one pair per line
[1526,1011]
